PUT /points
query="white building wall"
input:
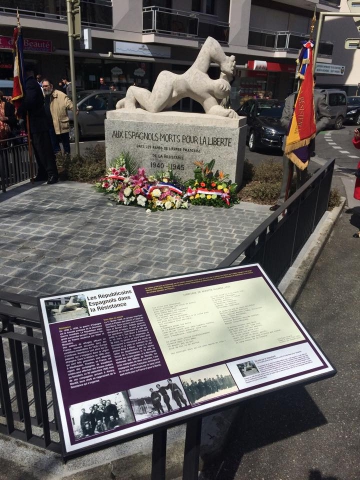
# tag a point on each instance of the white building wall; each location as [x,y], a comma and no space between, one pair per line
[239,19]
[338,29]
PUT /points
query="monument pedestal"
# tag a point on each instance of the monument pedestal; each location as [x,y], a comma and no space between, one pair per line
[175,140]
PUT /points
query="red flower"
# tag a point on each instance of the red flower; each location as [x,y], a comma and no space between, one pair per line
[202,184]
[213,184]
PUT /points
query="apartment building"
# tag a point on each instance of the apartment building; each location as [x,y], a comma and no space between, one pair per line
[133,40]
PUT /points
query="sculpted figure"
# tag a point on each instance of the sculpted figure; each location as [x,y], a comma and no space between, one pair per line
[195,83]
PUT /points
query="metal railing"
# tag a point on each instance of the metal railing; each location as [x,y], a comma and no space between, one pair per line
[14,161]
[183,24]
[26,403]
[276,243]
[283,41]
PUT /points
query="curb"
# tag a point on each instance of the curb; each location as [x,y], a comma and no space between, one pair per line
[295,278]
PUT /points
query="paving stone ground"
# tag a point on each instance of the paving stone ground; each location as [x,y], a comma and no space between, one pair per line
[68,237]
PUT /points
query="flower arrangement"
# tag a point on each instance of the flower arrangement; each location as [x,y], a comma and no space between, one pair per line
[209,188]
[157,192]
[128,184]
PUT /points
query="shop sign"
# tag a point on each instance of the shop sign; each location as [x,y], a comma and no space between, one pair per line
[329,69]
[263,65]
[30,44]
[142,49]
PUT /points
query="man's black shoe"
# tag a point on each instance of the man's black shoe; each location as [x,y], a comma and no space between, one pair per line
[274,207]
[39,179]
[53,179]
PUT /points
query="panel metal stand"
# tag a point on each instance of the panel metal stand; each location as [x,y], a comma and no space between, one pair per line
[192,449]
[158,464]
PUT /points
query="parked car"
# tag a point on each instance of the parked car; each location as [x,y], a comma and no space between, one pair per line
[93,105]
[6,86]
[337,101]
[353,110]
[263,123]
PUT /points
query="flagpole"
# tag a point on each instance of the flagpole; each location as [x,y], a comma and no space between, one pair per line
[291,171]
[30,151]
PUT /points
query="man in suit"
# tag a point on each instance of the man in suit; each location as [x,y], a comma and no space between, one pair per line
[33,105]
[322,116]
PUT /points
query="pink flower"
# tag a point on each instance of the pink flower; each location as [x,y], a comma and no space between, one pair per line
[122,169]
[141,172]
[106,185]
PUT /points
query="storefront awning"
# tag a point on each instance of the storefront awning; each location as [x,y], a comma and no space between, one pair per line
[271,66]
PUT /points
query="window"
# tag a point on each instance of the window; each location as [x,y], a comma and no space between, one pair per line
[196,5]
[98,102]
[336,99]
[210,7]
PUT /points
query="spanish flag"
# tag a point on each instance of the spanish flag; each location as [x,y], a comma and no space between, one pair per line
[302,127]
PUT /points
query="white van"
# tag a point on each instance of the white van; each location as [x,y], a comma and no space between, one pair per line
[6,86]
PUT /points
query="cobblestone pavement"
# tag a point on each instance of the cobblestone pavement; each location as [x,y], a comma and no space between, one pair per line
[67,237]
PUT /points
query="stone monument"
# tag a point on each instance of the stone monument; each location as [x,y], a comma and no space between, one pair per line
[159,138]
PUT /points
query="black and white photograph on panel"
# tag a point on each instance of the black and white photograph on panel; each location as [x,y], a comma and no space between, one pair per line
[67,307]
[247,368]
[157,398]
[207,384]
[100,415]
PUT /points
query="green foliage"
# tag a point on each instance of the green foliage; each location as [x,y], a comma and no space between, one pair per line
[260,192]
[83,168]
[126,160]
[268,171]
[334,199]
[209,184]
[248,172]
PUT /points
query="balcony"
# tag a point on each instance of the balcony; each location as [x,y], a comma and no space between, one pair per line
[95,15]
[183,24]
[283,41]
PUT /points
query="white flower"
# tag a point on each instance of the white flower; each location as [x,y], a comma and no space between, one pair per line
[148,210]
[132,199]
[156,192]
[178,203]
[168,205]
[127,191]
[141,200]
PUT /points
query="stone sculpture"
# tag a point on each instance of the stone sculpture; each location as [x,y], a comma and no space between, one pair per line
[195,83]
[69,306]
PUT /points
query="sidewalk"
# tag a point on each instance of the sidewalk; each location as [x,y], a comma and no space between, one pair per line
[76,239]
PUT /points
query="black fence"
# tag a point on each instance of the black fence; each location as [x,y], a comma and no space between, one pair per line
[276,243]
[15,166]
[26,403]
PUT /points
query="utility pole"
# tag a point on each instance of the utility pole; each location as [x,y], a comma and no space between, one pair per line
[74,33]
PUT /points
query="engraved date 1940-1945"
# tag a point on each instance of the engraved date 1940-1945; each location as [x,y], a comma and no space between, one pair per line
[172,166]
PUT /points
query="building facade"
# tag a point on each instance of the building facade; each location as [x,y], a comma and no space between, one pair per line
[133,40]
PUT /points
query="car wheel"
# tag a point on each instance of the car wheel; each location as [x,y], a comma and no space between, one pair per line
[252,147]
[339,123]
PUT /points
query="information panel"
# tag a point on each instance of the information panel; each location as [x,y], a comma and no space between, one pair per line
[128,358]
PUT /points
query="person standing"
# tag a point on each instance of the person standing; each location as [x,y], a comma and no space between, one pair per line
[7,117]
[166,398]
[67,87]
[103,85]
[33,105]
[156,401]
[58,104]
[177,394]
[322,116]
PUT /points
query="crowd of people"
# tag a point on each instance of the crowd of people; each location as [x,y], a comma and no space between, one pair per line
[46,105]
[101,417]
[195,390]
